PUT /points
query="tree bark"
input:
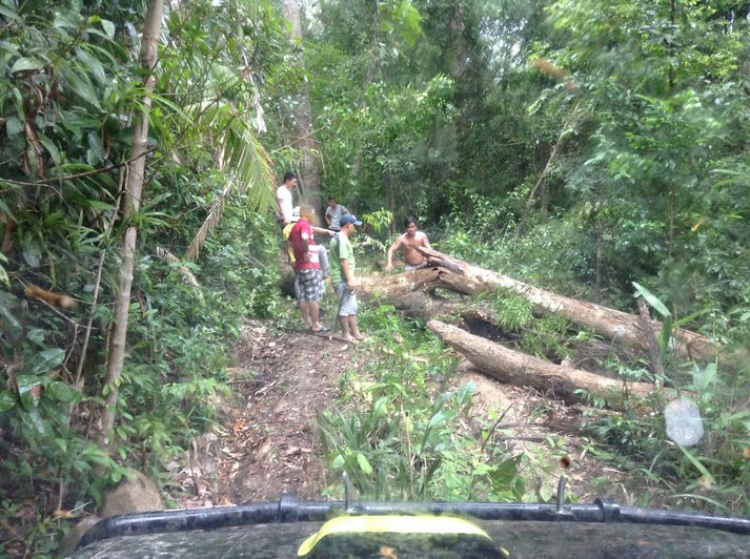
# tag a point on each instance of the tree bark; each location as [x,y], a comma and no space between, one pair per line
[305,141]
[651,342]
[517,368]
[614,325]
[131,202]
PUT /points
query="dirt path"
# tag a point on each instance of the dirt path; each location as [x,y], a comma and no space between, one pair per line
[268,444]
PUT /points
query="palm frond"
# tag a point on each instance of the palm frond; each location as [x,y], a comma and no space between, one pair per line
[244,161]
[211,221]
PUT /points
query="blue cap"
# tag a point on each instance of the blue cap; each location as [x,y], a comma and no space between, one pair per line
[349,218]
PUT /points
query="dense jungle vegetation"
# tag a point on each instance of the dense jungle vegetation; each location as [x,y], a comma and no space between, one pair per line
[577,145]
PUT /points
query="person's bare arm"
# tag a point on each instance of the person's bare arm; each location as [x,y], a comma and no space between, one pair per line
[346,274]
[396,244]
[425,241]
[322,231]
[284,218]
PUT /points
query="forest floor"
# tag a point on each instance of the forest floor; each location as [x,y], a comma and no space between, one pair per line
[268,444]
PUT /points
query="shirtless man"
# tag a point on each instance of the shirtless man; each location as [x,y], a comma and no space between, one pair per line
[408,243]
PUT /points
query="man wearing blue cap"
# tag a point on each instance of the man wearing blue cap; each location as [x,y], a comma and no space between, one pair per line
[342,276]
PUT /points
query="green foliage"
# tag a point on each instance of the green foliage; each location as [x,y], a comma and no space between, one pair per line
[396,432]
[72,83]
[424,108]
[391,433]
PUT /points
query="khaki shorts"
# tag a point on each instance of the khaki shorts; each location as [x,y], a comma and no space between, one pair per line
[347,300]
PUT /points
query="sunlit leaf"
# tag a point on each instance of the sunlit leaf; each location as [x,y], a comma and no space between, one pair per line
[338,462]
[109,28]
[26,64]
[44,361]
[364,464]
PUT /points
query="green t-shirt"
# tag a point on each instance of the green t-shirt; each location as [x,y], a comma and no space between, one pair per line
[341,248]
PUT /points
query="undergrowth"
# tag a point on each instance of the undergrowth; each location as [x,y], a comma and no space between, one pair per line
[403,428]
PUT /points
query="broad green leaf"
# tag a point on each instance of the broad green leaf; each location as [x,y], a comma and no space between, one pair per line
[545,492]
[92,64]
[32,255]
[36,335]
[51,148]
[702,378]
[364,463]
[29,391]
[32,416]
[65,19]
[652,300]
[80,85]
[338,462]
[60,392]
[437,419]
[44,361]
[26,64]
[109,28]
[9,13]
[8,400]
[13,126]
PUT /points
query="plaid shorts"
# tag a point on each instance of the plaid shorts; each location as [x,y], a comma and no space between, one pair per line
[309,285]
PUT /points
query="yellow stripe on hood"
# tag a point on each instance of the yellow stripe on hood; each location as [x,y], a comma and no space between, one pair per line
[391,524]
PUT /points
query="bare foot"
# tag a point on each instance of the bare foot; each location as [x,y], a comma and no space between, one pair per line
[359,337]
[348,338]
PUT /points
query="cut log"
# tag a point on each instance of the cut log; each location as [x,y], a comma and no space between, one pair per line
[614,325]
[519,369]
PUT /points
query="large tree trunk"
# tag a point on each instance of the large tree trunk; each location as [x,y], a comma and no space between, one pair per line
[305,141]
[517,368]
[618,326]
[131,202]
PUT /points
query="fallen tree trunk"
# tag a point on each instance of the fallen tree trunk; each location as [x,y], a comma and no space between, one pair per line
[519,369]
[615,325]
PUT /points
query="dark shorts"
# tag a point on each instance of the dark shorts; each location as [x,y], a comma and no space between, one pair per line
[309,285]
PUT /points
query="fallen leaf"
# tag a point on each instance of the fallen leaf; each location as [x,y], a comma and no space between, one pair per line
[265,449]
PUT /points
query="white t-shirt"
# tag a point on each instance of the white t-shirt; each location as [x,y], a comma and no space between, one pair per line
[284,197]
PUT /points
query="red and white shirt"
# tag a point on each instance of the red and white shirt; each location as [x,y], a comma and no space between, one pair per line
[301,236]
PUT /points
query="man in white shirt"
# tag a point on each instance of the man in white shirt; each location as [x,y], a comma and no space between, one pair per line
[284,197]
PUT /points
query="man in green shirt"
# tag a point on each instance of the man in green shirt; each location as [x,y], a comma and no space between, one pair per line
[342,276]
